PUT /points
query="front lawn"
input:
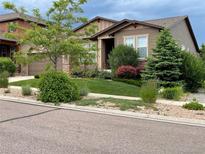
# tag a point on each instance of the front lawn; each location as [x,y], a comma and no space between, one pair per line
[94,86]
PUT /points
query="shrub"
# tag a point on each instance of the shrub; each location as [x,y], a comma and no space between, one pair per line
[105,75]
[194,105]
[148,92]
[123,55]
[6,64]
[4,79]
[84,91]
[193,72]
[26,90]
[85,74]
[127,72]
[37,76]
[56,87]
[174,93]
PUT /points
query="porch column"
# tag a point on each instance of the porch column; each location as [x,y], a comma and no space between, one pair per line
[99,54]
[65,64]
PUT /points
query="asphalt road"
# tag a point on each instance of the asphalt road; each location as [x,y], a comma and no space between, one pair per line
[27,129]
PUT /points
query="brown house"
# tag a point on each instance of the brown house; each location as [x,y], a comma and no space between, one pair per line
[142,35]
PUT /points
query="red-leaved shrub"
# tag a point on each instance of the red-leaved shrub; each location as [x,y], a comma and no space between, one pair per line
[129,72]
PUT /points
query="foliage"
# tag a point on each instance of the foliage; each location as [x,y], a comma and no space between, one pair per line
[85,74]
[4,79]
[56,87]
[193,105]
[193,72]
[123,55]
[26,90]
[127,72]
[37,76]
[202,52]
[105,75]
[148,91]
[85,58]
[94,85]
[166,61]
[84,91]
[6,64]
[55,36]
[173,93]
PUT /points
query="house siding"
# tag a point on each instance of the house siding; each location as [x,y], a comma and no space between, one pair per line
[101,24]
[138,30]
[182,35]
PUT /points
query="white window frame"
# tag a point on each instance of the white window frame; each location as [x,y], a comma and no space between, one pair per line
[136,42]
[130,36]
[147,45]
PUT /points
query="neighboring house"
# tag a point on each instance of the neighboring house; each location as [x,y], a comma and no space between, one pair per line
[142,35]
[9,46]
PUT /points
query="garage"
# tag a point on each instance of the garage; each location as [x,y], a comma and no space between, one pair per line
[37,67]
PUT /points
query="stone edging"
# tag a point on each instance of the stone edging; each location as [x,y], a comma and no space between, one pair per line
[174,120]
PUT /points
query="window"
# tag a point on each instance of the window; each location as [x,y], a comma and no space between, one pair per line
[12,27]
[129,41]
[91,47]
[138,42]
[142,46]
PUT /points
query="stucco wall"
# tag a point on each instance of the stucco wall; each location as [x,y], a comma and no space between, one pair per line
[181,34]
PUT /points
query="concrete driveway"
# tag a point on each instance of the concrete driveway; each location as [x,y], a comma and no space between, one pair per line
[40,130]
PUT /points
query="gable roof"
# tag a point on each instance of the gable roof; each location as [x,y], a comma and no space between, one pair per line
[15,16]
[122,24]
[93,20]
[167,22]
[156,23]
[172,21]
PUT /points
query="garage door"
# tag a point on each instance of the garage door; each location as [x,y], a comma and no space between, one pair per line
[37,67]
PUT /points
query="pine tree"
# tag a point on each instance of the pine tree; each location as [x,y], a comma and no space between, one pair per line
[166,61]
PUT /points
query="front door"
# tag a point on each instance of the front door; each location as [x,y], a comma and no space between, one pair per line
[109,45]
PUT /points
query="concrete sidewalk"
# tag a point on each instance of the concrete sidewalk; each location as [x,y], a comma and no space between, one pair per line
[20,78]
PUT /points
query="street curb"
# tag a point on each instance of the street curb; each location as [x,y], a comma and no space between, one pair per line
[134,115]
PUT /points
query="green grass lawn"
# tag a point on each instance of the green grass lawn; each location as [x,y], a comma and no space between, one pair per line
[94,86]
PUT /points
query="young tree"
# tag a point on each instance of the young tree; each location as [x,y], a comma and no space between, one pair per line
[56,38]
[166,61]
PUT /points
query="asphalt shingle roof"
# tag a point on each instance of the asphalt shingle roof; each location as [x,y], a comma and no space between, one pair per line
[14,16]
[166,22]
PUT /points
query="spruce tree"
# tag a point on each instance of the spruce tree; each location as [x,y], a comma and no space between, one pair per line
[166,61]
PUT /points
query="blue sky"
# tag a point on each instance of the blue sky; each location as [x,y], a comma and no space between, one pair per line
[134,9]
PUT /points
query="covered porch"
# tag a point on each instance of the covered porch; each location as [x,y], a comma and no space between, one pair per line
[105,46]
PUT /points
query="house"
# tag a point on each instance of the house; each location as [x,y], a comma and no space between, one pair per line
[142,35]
[9,46]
